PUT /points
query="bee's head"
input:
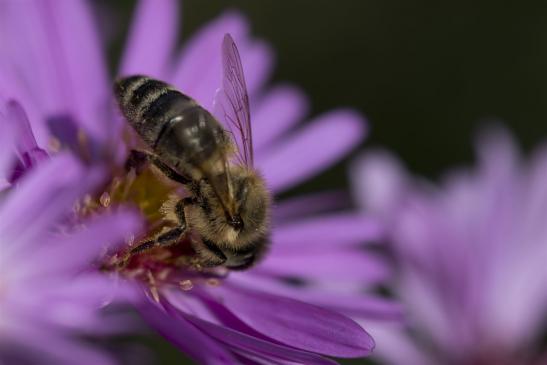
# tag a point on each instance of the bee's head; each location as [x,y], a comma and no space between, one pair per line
[251,205]
[239,217]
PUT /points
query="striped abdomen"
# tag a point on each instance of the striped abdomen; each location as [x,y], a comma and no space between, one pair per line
[171,123]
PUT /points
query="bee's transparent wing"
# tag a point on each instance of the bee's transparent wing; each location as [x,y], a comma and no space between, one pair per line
[231,103]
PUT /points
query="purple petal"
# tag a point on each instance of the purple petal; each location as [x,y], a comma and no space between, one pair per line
[198,72]
[395,347]
[246,345]
[44,196]
[72,305]
[11,89]
[28,152]
[251,346]
[257,59]
[71,76]
[151,38]
[82,247]
[326,265]
[296,323]
[329,231]
[312,149]
[71,27]
[300,206]
[193,341]
[379,180]
[46,346]
[23,42]
[352,303]
[279,110]
[25,143]
[66,130]
[7,155]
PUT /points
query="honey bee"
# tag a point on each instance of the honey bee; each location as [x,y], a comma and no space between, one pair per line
[228,207]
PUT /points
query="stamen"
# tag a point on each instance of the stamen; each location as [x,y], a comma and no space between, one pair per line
[153,287]
[88,200]
[54,144]
[130,240]
[105,199]
[161,266]
[163,274]
[186,285]
[212,282]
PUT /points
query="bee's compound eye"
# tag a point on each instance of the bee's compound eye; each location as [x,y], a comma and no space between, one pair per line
[236,222]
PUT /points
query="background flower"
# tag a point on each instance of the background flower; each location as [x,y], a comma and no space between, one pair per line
[470,255]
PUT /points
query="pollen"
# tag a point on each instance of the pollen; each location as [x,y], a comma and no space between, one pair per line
[212,282]
[186,285]
[105,199]
[160,267]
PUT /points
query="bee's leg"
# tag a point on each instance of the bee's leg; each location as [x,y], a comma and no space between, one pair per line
[137,159]
[208,254]
[171,236]
[165,239]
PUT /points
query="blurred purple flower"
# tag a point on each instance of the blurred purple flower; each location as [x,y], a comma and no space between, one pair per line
[471,255]
[47,301]
[253,316]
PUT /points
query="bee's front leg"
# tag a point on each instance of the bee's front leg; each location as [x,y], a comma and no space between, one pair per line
[207,254]
[167,238]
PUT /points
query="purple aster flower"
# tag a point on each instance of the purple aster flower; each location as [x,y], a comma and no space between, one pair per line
[213,315]
[470,255]
[48,301]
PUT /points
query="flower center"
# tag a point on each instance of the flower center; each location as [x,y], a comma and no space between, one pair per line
[158,267]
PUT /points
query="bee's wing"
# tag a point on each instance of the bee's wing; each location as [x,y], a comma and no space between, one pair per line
[231,103]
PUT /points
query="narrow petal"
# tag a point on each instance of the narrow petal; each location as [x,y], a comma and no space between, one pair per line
[70,26]
[71,76]
[7,155]
[296,323]
[16,115]
[257,58]
[335,231]
[151,38]
[198,72]
[84,246]
[259,347]
[288,210]
[11,88]
[279,110]
[327,265]
[28,152]
[353,304]
[313,149]
[45,346]
[379,181]
[194,342]
[43,198]
[395,347]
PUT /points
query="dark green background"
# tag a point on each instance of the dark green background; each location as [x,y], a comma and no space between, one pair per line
[425,73]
